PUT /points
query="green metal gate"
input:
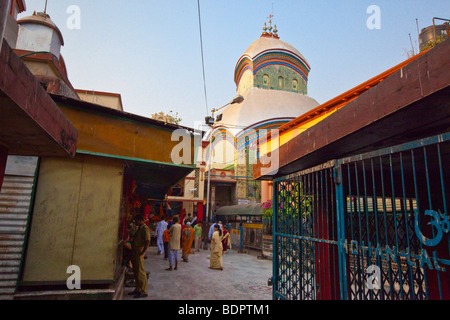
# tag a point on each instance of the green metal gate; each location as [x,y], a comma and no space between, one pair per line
[369,227]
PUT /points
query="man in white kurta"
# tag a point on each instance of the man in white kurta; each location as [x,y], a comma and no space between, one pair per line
[160,228]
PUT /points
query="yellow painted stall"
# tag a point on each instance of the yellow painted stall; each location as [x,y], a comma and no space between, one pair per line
[80,206]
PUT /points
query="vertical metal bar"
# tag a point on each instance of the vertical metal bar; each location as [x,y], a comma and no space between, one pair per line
[375,210]
[309,290]
[366,209]
[301,247]
[361,286]
[394,212]
[327,212]
[350,216]
[285,237]
[441,173]
[299,232]
[334,228]
[413,162]
[391,284]
[322,222]
[317,233]
[324,237]
[311,235]
[275,263]
[330,236]
[411,284]
[287,215]
[282,237]
[340,231]
[431,208]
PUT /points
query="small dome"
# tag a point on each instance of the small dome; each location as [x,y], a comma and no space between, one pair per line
[38,33]
[42,19]
[268,59]
[265,43]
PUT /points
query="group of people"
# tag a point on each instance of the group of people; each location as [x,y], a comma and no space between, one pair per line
[171,237]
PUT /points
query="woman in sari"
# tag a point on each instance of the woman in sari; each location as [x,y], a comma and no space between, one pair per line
[187,237]
[216,247]
[225,239]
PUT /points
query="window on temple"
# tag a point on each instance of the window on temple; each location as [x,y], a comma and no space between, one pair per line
[295,85]
[266,81]
[281,82]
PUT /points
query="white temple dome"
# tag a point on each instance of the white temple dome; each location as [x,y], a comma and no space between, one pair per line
[265,43]
[261,106]
[272,76]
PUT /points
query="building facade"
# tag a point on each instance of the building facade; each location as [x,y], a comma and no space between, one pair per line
[71,206]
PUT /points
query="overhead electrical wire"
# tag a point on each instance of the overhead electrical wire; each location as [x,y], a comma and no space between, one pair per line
[203,59]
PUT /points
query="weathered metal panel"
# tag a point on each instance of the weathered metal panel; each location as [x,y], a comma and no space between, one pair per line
[52,229]
[15,198]
[96,237]
[75,219]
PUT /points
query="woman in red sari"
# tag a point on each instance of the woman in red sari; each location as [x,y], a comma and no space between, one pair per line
[226,239]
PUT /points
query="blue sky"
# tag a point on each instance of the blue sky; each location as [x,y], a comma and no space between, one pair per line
[149,50]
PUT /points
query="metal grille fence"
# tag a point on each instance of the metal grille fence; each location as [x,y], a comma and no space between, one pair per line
[370,227]
[305,236]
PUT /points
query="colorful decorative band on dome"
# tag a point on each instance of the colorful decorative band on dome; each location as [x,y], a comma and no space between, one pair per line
[279,58]
[245,63]
[252,134]
[247,137]
[272,57]
[220,135]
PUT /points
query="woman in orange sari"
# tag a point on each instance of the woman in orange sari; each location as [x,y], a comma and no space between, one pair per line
[187,237]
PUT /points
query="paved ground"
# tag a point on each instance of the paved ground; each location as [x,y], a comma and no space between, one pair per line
[244,278]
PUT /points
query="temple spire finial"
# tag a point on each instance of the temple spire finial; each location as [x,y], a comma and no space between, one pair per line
[267,30]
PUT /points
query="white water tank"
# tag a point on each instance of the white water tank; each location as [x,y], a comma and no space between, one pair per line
[39,33]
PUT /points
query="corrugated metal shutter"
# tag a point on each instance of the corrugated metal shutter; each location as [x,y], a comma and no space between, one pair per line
[15,198]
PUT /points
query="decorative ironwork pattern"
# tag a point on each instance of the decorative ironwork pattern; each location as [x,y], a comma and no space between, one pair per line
[197,183]
[305,237]
[383,193]
[369,227]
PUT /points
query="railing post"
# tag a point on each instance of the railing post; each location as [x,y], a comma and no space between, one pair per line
[340,229]
[241,237]
[274,239]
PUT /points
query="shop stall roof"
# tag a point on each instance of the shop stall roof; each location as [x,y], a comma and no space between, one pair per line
[155,179]
[145,144]
[117,113]
[241,210]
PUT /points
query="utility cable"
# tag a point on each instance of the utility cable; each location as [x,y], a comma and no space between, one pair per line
[203,59]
